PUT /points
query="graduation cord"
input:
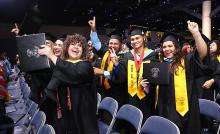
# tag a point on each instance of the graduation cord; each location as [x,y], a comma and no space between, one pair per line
[68,99]
[59,112]
[138,64]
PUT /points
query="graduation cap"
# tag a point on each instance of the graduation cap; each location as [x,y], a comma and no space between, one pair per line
[116,35]
[62,37]
[136,31]
[49,36]
[171,37]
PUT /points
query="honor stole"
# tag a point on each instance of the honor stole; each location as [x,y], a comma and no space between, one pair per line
[218,57]
[135,72]
[109,69]
[73,61]
[180,86]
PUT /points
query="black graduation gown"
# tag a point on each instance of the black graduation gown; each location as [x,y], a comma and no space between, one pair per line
[79,77]
[202,76]
[190,123]
[39,81]
[117,89]
[147,104]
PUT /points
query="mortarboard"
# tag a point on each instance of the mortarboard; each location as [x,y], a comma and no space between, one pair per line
[136,32]
[62,37]
[169,36]
[116,35]
[49,36]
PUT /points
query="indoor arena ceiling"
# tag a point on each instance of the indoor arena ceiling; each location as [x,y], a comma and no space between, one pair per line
[157,15]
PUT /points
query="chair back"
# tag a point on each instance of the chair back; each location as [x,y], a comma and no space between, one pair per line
[110,105]
[46,129]
[158,125]
[209,109]
[99,98]
[106,113]
[128,114]
[38,121]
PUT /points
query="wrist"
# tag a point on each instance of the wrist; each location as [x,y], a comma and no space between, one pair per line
[116,63]
[93,29]
[196,34]
[53,58]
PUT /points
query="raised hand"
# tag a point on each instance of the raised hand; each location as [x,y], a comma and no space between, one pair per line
[46,50]
[113,56]
[15,30]
[193,27]
[92,24]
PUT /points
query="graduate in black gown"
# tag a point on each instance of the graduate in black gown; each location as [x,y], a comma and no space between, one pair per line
[178,101]
[129,71]
[61,94]
[208,85]
[108,85]
[74,74]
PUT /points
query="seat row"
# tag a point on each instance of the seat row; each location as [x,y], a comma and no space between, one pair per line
[24,112]
[128,119]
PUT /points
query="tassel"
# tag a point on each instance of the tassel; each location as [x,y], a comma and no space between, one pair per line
[59,112]
[68,99]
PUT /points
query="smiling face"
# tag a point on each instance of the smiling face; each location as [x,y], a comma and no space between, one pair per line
[169,49]
[75,47]
[75,51]
[137,41]
[115,44]
[58,47]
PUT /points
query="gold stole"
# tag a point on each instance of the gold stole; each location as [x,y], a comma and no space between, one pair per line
[156,96]
[134,86]
[109,69]
[218,57]
[181,97]
[73,61]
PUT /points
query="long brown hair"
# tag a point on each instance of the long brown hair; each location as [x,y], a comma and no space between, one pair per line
[177,57]
[73,39]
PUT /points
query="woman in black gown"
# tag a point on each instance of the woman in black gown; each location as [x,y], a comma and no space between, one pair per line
[74,74]
[178,101]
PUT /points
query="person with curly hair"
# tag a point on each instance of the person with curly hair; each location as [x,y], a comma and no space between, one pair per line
[74,74]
